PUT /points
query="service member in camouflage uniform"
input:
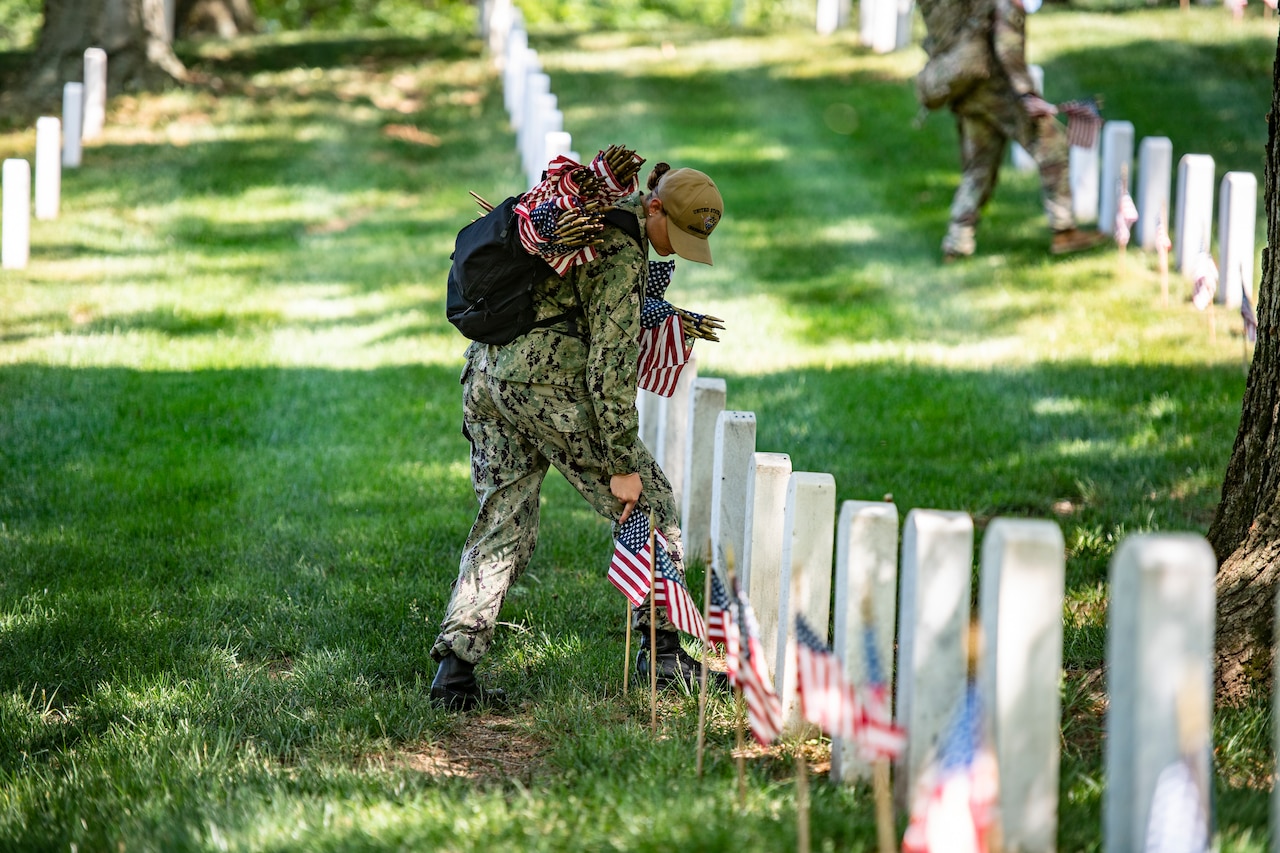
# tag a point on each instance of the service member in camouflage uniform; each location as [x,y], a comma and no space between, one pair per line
[977,67]
[565,396]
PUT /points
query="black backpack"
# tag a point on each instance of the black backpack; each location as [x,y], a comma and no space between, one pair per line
[490,297]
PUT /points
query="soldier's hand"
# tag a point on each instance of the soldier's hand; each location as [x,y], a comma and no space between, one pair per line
[1038,107]
[626,488]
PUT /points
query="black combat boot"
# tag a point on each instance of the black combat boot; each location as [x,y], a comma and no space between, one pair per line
[454,687]
[676,667]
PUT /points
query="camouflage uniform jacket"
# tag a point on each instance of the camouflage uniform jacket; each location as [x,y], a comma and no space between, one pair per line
[602,362]
[987,33]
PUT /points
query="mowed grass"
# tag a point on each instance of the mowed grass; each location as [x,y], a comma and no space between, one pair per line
[233,488]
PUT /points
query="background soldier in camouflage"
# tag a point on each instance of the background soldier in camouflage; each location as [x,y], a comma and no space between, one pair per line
[565,396]
[977,67]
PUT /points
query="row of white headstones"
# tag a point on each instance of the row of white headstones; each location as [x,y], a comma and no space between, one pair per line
[1103,171]
[803,554]
[58,145]
[797,556]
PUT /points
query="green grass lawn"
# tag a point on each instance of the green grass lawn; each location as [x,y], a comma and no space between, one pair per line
[233,488]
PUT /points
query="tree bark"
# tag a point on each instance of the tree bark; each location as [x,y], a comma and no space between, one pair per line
[1245,532]
[221,18]
[132,32]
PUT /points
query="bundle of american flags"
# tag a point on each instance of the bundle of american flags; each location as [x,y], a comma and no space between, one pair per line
[631,571]
[558,217]
[1205,274]
[955,808]
[1084,118]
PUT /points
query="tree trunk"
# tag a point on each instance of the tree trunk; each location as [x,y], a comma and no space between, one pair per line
[132,32]
[1245,532]
[222,18]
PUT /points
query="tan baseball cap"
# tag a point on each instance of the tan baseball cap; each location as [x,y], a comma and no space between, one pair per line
[694,206]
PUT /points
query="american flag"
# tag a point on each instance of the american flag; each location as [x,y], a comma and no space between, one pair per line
[826,698]
[750,672]
[1271,4]
[673,595]
[1083,121]
[878,737]
[1126,215]
[663,355]
[538,211]
[954,811]
[1236,6]
[1163,243]
[1246,313]
[1206,281]
[629,568]
[719,613]
[1179,822]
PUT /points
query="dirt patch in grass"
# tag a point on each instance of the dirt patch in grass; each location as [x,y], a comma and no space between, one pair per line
[481,748]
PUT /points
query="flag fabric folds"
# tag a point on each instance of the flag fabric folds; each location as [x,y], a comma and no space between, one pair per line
[538,211]
[954,810]
[1205,274]
[719,613]
[663,355]
[630,571]
[1126,215]
[1083,121]
[826,697]
[673,595]
[1246,314]
[748,671]
[878,736]
[629,568]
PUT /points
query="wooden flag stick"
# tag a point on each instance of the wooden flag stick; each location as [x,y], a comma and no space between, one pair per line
[1162,254]
[480,201]
[884,806]
[653,626]
[802,801]
[1213,324]
[626,657]
[702,686]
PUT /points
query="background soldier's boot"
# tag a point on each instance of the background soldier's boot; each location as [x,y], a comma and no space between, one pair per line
[676,667]
[1076,240]
[455,688]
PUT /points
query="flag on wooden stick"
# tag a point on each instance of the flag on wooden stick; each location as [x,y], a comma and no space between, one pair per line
[826,698]
[878,736]
[719,614]
[1246,313]
[1205,276]
[629,568]
[673,594]
[1126,215]
[955,807]
[751,674]
[663,355]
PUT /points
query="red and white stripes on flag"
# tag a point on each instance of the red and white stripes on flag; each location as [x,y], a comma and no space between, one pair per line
[749,672]
[1205,274]
[559,191]
[720,628]
[826,697]
[878,737]
[663,355]
[1083,121]
[672,594]
[629,569]
[1126,215]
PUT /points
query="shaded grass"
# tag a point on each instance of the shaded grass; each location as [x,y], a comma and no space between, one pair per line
[232,484]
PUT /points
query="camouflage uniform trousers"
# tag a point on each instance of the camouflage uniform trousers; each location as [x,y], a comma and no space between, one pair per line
[987,119]
[517,430]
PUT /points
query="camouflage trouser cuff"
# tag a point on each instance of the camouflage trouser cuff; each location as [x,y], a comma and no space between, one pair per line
[640,619]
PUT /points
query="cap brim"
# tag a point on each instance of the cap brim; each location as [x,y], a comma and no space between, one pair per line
[689,247]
